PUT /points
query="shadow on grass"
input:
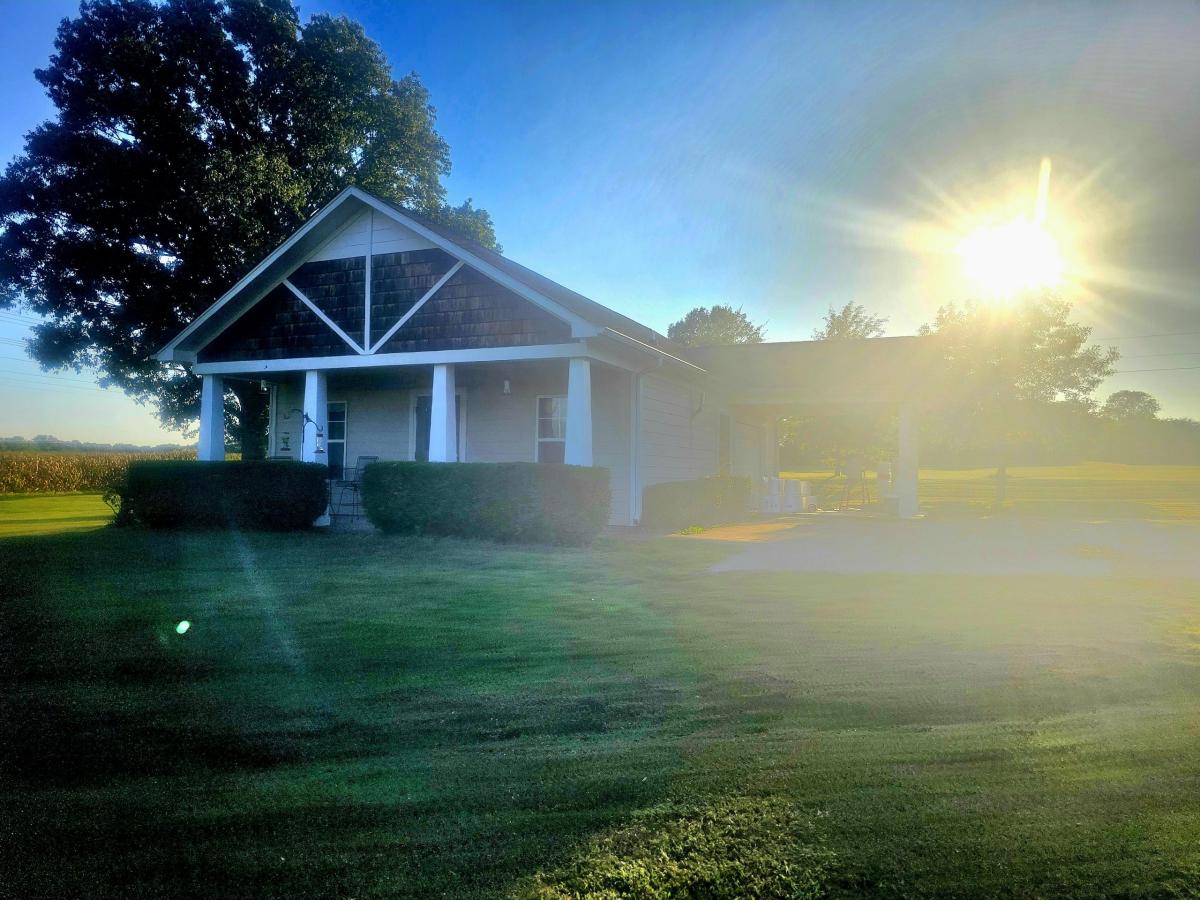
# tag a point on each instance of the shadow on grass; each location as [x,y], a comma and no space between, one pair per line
[453,722]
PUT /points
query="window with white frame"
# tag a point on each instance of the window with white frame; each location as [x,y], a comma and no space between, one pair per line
[335,438]
[551,429]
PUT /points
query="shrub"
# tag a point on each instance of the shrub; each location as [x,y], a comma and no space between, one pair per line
[275,496]
[673,505]
[534,503]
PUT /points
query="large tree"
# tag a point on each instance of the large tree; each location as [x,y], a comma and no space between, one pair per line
[715,326]
[1004,361]
[1130,406]
[851,322]
[192,137]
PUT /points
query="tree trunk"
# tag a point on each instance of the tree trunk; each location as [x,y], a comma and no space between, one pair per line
[250,426]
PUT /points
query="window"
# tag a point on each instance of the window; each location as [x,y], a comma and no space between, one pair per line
[335,438]
[551,429]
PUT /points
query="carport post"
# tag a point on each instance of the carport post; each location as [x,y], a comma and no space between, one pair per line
[906,464]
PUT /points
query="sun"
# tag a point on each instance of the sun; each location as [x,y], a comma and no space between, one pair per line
[1005,260]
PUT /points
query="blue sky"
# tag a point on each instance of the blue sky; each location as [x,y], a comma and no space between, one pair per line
[781,157]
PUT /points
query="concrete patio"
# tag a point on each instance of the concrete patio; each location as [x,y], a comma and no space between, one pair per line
[1000,545]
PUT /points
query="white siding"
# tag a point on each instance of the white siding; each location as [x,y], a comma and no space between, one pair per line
[390,237]
[680,427]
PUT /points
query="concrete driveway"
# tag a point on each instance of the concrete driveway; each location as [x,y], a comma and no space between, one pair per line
[988,546]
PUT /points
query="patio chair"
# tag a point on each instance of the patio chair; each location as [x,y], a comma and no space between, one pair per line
[350,489]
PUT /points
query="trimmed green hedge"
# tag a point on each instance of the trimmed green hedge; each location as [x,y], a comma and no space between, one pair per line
[271,496]
[532,503]
[673,505]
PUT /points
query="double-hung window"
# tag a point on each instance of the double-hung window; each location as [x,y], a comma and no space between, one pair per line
[551,429]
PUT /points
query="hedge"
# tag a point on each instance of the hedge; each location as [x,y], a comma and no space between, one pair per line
[272,496]
[533,503]
[673,505]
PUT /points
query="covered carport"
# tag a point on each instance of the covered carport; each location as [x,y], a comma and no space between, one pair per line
[814,378]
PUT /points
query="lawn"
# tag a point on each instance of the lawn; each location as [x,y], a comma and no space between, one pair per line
[1106,490]
[353,715]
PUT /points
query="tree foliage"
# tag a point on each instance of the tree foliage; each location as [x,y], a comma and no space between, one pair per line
[715,326]
[851,322]
[191,138]
[1004,362]
[1124,406]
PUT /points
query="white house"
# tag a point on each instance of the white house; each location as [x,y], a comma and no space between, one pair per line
[395,338]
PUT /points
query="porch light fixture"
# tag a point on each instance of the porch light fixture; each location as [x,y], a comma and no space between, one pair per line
[320,435]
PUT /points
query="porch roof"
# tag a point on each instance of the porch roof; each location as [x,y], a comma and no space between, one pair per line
[824,374]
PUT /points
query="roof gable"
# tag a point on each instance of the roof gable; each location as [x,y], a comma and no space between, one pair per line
[332,231]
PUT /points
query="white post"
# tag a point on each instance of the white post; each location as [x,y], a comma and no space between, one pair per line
[906,465]
[212,418]
[578,450]
[316,409]
[443,417]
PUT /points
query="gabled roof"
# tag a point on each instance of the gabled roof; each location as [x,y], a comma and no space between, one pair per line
[586,317]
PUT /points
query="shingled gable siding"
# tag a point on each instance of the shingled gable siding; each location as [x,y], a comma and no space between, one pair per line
[338,288]
[471,312]
[277,327]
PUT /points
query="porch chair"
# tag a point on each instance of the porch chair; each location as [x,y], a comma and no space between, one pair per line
[353,487]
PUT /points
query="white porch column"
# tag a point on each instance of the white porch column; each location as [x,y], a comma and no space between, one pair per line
[906,464]
[443,417]
[578,450]
[212,418]
[316,409]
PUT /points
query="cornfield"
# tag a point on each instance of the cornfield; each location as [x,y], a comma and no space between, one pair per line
[24,472]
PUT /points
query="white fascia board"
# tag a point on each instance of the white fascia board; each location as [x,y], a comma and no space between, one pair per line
[168,353]
[386,360]
[580,327]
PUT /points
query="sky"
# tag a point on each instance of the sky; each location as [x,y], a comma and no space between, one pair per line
[781,157]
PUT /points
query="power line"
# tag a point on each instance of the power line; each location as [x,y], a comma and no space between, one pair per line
[1168,369]
[1138,337]
[1157,355]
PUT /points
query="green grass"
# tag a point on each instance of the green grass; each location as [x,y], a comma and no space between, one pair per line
[353,715]
[1088,490]
[22,515]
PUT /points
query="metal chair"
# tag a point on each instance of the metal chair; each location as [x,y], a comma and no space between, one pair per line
[353,486]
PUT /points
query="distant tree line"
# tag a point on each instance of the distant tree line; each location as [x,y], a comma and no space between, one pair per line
[48,443]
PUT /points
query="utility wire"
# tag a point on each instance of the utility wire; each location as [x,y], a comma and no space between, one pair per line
[1168,369]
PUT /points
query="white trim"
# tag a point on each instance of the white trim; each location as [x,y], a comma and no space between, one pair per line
[438,285]
[272,419]
[345,440]
[635,442]
[324,318]
[416,358]
[538,440]
[165,353]
[460,403]
[580,327]
[367,283]
[579,449]
[211,444]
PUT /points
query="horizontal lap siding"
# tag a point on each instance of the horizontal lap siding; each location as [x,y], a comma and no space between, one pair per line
[675,446]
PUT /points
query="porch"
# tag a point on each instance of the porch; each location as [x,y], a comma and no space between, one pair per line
[571,410]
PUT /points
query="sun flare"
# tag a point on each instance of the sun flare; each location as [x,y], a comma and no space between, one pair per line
[1006,260]
[1002,261]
